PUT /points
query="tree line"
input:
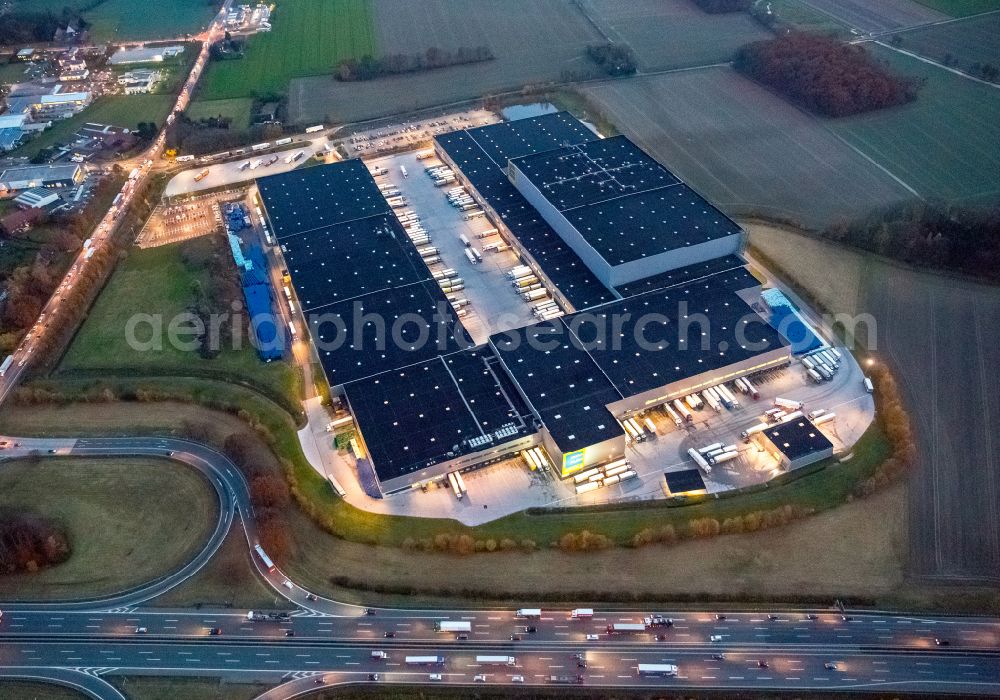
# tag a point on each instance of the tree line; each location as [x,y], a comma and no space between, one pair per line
[371,67]
[933,235]
[824,75]
[613,59]
[30,284]
[28,26]
[29,543]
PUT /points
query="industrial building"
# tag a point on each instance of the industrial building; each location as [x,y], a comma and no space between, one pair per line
[36,198]
[150,54]
[659,302]
[29,176]
[360,282]
[795,443]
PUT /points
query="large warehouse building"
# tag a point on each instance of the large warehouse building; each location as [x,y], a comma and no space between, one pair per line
[659,301]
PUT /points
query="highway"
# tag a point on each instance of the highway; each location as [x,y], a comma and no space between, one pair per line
[327,642]
[101,236]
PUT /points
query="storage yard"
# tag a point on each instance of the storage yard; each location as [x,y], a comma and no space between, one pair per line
[496,357]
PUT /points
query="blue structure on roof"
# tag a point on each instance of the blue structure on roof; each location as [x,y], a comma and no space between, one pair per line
[785,319]
[260,303]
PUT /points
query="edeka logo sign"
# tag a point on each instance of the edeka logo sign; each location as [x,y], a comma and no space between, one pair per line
[572,462]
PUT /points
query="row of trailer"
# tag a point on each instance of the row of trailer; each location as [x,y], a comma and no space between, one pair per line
[536,459]
[441,174]
[447,278]
[613,472]
[822,364]
[457,484]
[710,455]
[530,287]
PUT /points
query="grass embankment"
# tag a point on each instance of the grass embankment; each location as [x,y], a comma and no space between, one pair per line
[162,283]
[30,690]
[121,516]
[157,688]
[229,579]
[309,37]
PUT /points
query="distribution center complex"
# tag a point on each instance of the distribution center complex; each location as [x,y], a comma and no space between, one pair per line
[659,301]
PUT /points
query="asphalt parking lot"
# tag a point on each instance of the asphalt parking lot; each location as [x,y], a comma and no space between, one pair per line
[495,306]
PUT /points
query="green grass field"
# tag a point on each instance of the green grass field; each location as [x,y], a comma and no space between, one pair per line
[113,20]
[959,44]
[128,520]
[944,143]
[118,110]
[159,688]
[238,109]
[962,8]
[158,281]
[309,37]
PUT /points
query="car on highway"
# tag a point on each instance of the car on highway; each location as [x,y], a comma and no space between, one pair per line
[141,630]
[715,638]
[435,677]
[517,679]
[593,637]
[762,664]
[479,678]
[515,638]
[718,657]
[373,676]
[389,635]
[215,632]
[830,666]
[941,642]
[289,633]
[810,616]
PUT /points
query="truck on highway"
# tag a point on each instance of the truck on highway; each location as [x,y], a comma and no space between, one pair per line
[496,660]
[201,176]
[626,628]
[564,680]
[255,615]
[453,626]
[255,164]
[657,669]
[425,660]
[529,612]
[5,365]
[582,614]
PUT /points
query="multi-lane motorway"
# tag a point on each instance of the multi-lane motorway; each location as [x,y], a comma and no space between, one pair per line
[325,642]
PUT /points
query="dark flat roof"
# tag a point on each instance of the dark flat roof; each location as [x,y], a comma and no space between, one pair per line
[684,481]
[354,338]
[798,438]
[594,171]
[562,382]
[569,369]
[425,413]
[323,195]
[481,154]
[356,273]
[671,334]
[351,259]
[625,204]
[729,270]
